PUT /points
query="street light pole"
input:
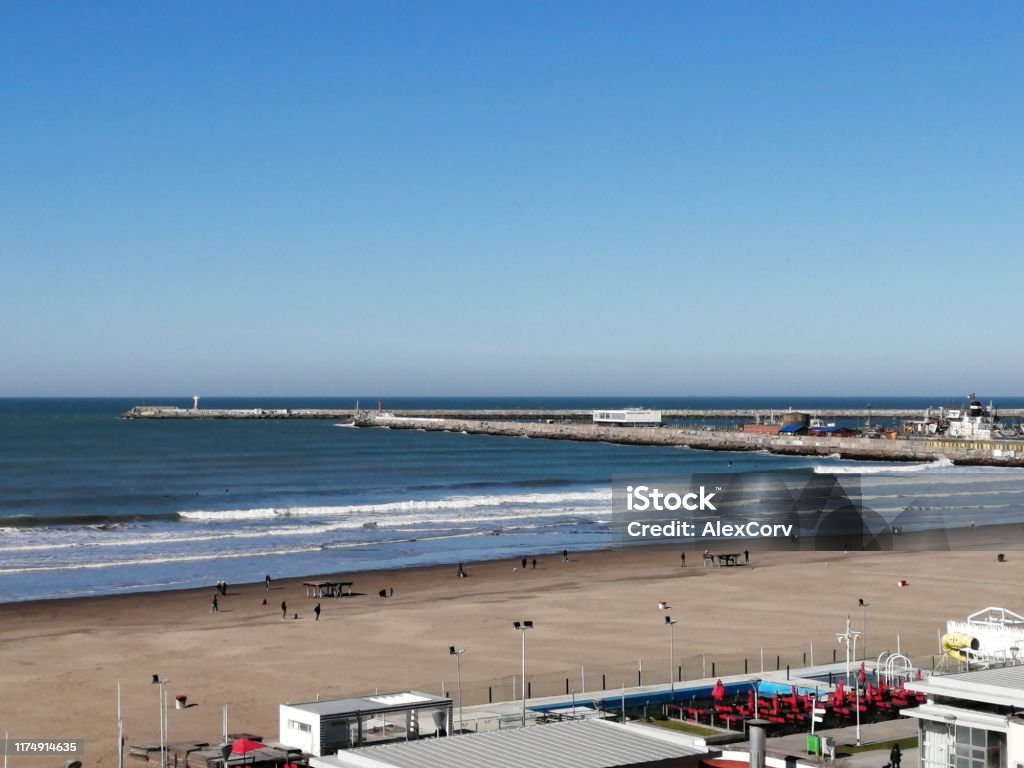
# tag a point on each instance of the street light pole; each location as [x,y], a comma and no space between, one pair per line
[522,626]
[849,639]
[162,691]
[457,653]
[671,656]
[864,604]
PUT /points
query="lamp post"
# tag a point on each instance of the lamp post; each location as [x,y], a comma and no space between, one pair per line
[522,626]
[671,656]
[849,639]
[864,604]
[457,653]
[162,691]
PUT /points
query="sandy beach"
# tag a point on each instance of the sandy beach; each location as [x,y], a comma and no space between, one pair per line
[61,659]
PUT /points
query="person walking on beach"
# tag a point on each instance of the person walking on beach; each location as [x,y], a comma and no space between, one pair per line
[746,556]
[284,609]
[214,608]
[895,755]
[524,563]
[535,563]
[317,612]
[682,559]
[565,555]
[462,571]
[268,582]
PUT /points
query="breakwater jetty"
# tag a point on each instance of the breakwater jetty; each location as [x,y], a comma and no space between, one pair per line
[1006,453]
[521,414]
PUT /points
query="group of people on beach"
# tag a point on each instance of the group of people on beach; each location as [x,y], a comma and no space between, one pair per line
[526,561]
[222,590]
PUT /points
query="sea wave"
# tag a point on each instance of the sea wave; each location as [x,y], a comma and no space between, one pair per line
[405,505]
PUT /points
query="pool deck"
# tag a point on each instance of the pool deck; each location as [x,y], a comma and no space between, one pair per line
[790,748]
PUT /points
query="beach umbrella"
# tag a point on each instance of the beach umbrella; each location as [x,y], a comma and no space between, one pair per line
[839,692]
[869,693]
[243,746]
[718,692]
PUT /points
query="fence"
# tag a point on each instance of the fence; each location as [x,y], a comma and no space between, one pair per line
[653,670]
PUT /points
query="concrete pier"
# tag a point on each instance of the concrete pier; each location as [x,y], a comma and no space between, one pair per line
[1007,453]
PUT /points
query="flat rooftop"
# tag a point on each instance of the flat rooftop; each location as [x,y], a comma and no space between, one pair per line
[569,744]
[378,702]
[997,685]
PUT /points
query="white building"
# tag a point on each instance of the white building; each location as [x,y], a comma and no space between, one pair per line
[324,727]
[971,719]
[629,417]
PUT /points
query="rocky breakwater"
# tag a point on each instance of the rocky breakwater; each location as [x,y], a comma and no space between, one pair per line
[993,453]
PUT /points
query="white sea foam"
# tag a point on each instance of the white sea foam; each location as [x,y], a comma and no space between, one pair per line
[939,464]
[192,557]
[404,506]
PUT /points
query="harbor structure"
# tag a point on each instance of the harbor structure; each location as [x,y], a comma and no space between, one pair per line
[629,417]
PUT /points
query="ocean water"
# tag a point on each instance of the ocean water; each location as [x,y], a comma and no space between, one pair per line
[93,504]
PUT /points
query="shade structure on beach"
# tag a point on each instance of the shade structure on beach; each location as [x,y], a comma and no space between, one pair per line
[718,692]
[241,746]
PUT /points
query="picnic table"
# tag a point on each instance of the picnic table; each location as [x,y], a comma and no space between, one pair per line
[728,559]
[327,588]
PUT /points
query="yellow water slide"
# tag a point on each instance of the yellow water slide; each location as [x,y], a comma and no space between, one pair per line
[956,645]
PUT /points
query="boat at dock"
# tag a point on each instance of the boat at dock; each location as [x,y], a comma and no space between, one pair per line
[975,422]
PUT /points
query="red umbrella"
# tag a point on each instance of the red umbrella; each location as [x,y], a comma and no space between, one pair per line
[839,692]
[718,692]
[242,746]
[863,673]
[869,693]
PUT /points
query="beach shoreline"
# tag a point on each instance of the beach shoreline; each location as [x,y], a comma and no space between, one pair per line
[595,616]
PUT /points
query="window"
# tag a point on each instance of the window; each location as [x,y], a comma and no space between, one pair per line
[978,748]
[297,726]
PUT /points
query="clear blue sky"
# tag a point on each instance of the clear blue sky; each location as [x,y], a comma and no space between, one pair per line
[511,198]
